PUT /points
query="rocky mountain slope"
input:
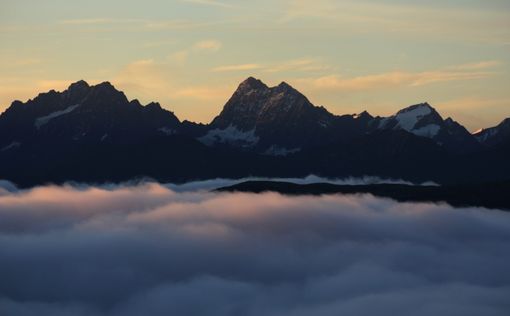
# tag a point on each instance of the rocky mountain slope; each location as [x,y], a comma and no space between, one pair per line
[94,133]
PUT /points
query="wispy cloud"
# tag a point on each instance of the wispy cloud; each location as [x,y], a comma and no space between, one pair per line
[401,78]
[404,18]
[96,21]
[240,67]
[479,65]
[200,47]
[144,79]
[467,108]
[87,21]
[170,82]
[213,3]
[27,61]
[210,45]
[175,24]
[20,62]
[160,43]
[202,93]
[305,64]
[180,56]
[144,24]
[301,65]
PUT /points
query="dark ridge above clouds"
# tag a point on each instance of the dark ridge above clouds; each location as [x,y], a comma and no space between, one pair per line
[95,134]
[489,195]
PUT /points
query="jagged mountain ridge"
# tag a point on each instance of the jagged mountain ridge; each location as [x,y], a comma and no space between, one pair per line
[272,120]
[94,133]
[264,118]
[83,113]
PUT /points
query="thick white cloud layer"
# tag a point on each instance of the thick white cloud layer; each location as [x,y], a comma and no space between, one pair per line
[148,250]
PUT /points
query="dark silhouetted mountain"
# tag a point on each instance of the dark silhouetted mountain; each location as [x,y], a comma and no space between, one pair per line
[275,120]
[489,195]
[83,114]
[94,133]
[495,136]
[280,121]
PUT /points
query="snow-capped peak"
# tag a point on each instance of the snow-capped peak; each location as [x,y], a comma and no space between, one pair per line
[419,119]
[417,107]
[408,117]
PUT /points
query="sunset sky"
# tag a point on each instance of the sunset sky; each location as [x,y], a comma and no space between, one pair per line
[190,55]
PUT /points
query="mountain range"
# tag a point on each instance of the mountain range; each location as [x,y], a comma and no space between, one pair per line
[96,134]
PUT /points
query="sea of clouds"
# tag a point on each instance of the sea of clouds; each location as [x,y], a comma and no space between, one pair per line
[154,249]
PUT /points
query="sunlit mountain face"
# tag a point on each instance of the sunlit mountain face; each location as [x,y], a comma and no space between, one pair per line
[217,157]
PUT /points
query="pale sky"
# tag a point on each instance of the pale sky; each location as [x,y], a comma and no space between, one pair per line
[190,55]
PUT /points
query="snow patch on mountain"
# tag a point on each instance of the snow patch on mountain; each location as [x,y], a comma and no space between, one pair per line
[11,146]
[166,131]
[323,124]
[39,122]
[230,135]
[429,131]
[275,150]
[407,119]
